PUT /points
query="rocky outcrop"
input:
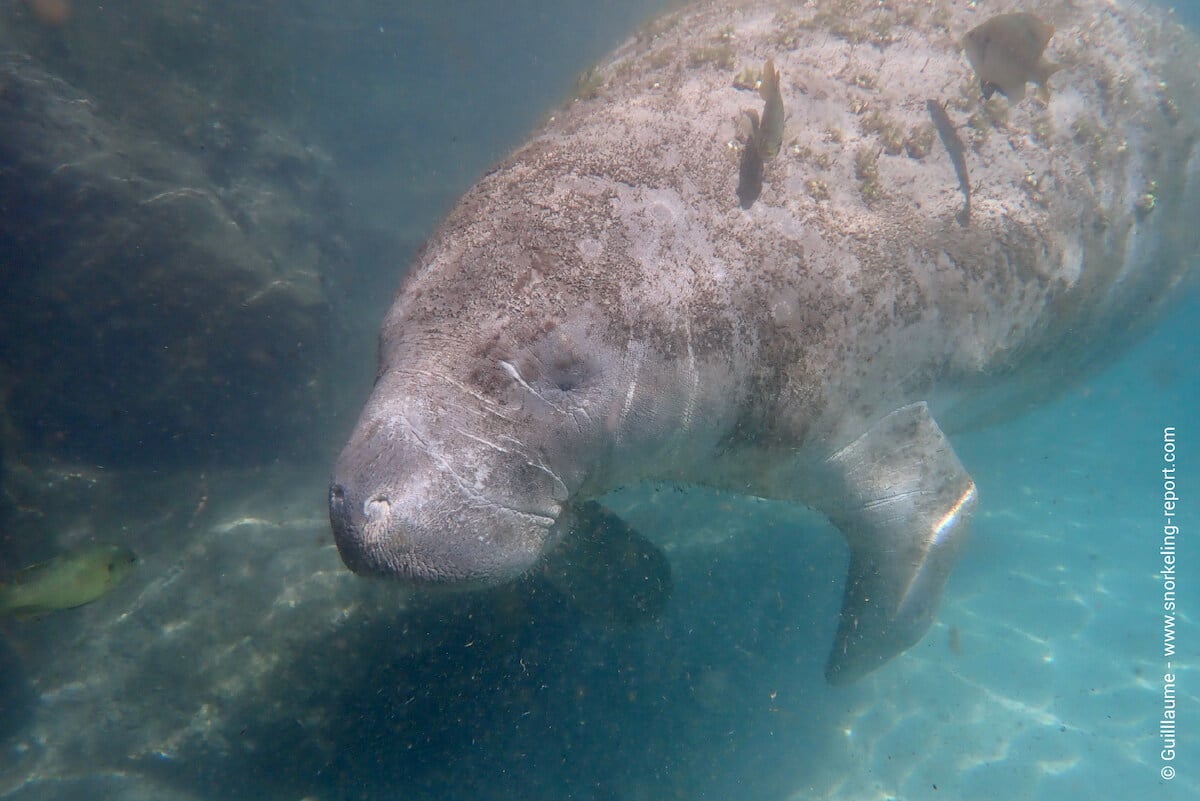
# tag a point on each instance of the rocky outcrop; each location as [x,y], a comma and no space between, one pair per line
[158,303]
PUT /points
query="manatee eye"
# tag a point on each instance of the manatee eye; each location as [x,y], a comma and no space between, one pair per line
[567,371]
[553,363]
[567,378]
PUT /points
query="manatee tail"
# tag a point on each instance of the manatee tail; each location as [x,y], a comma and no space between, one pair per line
[904,502]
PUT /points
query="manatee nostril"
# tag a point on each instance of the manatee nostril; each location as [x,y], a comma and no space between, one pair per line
[377,506]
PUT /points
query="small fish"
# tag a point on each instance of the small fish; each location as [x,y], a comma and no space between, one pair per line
[954,146]
[766,137]
[1006,53]
[72,579]
[750,170]
[770,130]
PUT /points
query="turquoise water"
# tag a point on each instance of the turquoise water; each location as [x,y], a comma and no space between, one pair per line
[1041,678]
[243,661]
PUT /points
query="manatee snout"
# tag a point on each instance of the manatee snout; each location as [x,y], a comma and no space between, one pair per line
[402,508]
[362,531]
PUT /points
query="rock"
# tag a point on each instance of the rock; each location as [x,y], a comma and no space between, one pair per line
[157,305]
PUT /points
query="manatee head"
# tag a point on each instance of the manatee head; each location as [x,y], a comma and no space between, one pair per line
[466,452]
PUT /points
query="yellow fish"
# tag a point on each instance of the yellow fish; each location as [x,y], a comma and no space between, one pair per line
[1006,53]
[66,581]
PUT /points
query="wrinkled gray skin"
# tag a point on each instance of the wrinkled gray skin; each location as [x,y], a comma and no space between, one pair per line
[598,310]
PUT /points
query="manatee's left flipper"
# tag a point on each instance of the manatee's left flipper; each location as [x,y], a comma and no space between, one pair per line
[904,502]
[606,569]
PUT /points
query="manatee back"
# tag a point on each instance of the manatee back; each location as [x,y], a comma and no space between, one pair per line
[853,267]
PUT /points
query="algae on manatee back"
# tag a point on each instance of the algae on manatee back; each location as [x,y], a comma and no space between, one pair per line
[71,579]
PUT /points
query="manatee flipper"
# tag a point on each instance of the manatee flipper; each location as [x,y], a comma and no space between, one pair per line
[904,502]
[606,569]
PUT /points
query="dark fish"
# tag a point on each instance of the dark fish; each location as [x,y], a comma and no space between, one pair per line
[958,155]
[766,137]
[1006,53]
[955,642]
[750,171]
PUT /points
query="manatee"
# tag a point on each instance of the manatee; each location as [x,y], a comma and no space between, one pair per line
[599,309]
